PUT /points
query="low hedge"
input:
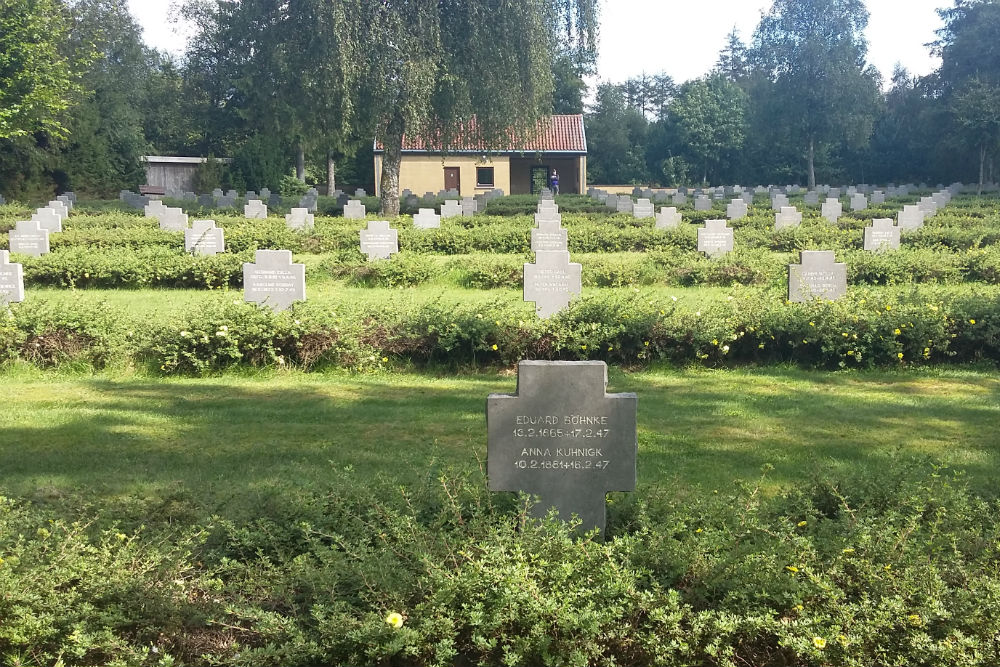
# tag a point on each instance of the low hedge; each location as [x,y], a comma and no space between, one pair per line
[871,328]
[893,568]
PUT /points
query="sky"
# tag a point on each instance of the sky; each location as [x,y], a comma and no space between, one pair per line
[682,39]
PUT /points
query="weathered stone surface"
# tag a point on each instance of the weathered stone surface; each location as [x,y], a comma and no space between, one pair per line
[301,219]
[563,438]
[715,238]
[911,217]
[426,218]
[451,209]
[817,276]
[273,281]
[204,238]
[883,235]
[354,210]
[255,209]
[551,282]
[643,209]
[379,241]
[29,238]
[668,218]
[832,210]
[11,280]
[788,216]
[549,236]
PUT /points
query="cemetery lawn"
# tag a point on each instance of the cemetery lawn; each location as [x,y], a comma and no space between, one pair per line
[234,444]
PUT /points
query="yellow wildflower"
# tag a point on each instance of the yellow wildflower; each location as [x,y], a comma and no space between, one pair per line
[819,642]
[495,348]
[395,620]
[972,321]
[803,524]
[792,568]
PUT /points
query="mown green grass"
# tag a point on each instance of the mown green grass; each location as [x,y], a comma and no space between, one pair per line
[234,444]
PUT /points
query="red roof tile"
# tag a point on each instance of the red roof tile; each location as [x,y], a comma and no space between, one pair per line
[556,134]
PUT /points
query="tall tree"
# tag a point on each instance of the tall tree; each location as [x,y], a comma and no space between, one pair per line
[441,69]
[616,138]
[733,62]
[710,117]
[38,78]
[814,53]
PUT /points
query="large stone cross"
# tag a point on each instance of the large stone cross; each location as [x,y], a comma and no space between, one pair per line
[818,276]
[563,438]
[549,236]
[379,241]
[551,282]
[715,238]
[882,235]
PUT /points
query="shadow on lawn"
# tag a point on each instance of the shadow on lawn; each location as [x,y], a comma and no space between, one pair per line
[223,442]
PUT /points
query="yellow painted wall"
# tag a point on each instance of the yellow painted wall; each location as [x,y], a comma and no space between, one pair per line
[425,173]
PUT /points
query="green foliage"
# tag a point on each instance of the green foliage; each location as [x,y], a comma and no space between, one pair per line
[894,568]
[709,115]
[261,162]
[291,186]
[209,175]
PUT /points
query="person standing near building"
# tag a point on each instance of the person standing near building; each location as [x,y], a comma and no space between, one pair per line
[554,181]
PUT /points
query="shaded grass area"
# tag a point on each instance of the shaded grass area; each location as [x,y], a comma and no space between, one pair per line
[234,444]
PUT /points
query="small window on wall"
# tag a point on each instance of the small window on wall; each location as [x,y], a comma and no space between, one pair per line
[484,177]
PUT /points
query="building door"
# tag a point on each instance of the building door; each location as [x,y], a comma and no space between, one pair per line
[539,179]
[451,179]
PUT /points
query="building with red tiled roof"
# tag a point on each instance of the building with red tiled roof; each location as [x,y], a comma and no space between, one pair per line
[524,167]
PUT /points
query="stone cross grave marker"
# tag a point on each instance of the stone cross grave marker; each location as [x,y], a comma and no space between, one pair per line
[563,438]
[255,209]
[206,201]
[29,238]
[643,209]
[226,202]
[702,203]
[154,209]
[59,206]
[11,280]
[251,195]
[778,202]
[811,198]
[679,199]
[300,218]
[469,207]
[832,210]
[833,193]
[551,282]
[928,206]
[736,209]
[308,202]
[354,210]
[611,201]
[747,198]
[882,235]
[816,276]
[859,202]
[426,218]
[625,204]
[273,281]
[668,218]
[265,194]
[878,198]
[451,208]
[379,241]
[549,236]
[911,217]
[788,216]
[204,238]
[217,192]
[715,238]
[49,219]
[173,220]
[360,192]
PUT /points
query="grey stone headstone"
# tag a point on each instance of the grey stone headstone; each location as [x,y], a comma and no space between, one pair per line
[611,201]
[11,280]
[882,235]
[549,236]
[551,282]
[232,194]
[563,438]
[360,192]
[833,193]
[155,209]
[811,198]
[274,201]
[779,202]
[225,201]
[426,218]
[451,208]
[309,203]
[747,198]
[452,194]
[217,192]
[715,238]
[911,217]
[206,201]
[878,198]
[48,219]
[548,206]
[379,241]
[173,220]
[204,238]
[679,199]
[300,218]
[61,207]
[625,205]
[29,238]
[250,195]
[736,209]
[255,209]
[273,281]
[265,194]
[928,206]
[702,203]
[817,276]
[851,191]
[832,210]
[643,209]
[354,210]
[859,202]
[668,218]
[788,216]
[2,200]
[469,207]
[548,215]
